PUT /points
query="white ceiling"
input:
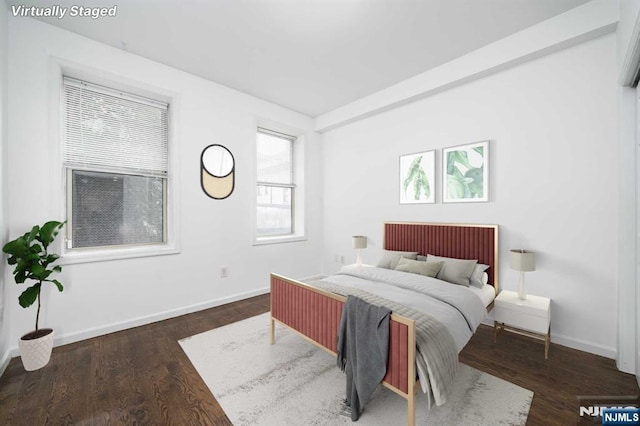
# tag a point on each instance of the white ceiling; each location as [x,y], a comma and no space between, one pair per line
[311,56]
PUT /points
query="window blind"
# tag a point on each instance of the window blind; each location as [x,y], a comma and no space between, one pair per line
[108,129]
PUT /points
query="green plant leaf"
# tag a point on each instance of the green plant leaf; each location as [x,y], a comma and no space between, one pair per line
[49,259]
[413,169]
[48,232]
[422,185]
[29,296]
[457,174]
[417,187]
[476,184]
[426,185]
[58,284]
[29,236]
[40,275]
[455,187]
[17,247]
[11,247]
[20,271]
[457,163]
[33,257]
[417,176]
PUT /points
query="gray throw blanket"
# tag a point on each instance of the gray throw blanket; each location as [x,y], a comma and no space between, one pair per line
[437,357]
[363,348]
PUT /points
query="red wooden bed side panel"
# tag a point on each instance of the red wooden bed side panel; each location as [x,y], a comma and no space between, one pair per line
[310,313]
[465,242]
[397,362]
[318,317]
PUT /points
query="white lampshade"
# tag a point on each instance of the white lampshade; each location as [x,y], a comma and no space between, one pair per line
[359,242]
[522,260]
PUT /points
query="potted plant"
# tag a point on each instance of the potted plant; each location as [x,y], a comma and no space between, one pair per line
[33,262]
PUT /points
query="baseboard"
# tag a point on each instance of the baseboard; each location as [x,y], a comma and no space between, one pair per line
[638,367]
[4,361]
[64,339]
[584,346]
[572,343]
[487,322]
[77,336]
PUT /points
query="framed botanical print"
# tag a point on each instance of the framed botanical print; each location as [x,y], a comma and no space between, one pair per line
[417,178]
[465,173]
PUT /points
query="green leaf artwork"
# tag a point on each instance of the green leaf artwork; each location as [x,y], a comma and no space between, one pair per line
[416,182]
[465,173]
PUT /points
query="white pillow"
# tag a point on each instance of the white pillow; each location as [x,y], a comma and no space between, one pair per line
[479,277]
[390,258]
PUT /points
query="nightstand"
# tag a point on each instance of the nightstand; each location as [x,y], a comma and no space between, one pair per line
[531,316]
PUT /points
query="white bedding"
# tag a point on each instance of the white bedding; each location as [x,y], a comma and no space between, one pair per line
[446,316]
[460,323]
[487,293]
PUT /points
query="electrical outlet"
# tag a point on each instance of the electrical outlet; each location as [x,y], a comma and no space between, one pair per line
[224,272]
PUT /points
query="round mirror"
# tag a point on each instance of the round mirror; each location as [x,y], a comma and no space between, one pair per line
[217,160]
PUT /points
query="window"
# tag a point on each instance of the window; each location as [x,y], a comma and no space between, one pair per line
[116,162]
[276,189]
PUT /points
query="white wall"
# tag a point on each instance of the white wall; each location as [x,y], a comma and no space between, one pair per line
[628,356]
[4,318]
[552,123]
[588,21]
[629,10]
[104,296]
[627,234]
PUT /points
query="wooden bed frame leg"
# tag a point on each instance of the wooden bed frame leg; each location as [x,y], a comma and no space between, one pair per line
[411,376]
[547,339]
[273,331]
[411,409]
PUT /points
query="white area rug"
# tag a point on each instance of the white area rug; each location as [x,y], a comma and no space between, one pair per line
[295,383]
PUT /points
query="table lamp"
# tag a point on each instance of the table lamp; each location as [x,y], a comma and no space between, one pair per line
[523,261]
[359,243]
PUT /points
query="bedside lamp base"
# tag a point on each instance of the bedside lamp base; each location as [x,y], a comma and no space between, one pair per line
[521,293]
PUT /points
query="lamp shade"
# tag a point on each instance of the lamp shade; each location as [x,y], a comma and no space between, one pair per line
[522,260]
[359,242]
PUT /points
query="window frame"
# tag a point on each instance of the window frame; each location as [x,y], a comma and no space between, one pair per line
[171,215]
[291,186]
[297,185]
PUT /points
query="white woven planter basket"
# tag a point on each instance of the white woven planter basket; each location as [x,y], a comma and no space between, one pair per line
[36,353]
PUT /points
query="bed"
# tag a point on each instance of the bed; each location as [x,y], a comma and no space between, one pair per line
[313,310]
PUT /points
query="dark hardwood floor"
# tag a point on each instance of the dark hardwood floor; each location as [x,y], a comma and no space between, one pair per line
[142,376]
[556,382]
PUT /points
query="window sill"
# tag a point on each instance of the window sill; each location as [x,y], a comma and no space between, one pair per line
[279,240]
[103,255]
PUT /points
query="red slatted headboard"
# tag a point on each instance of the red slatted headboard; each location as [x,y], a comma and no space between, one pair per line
[450,240]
